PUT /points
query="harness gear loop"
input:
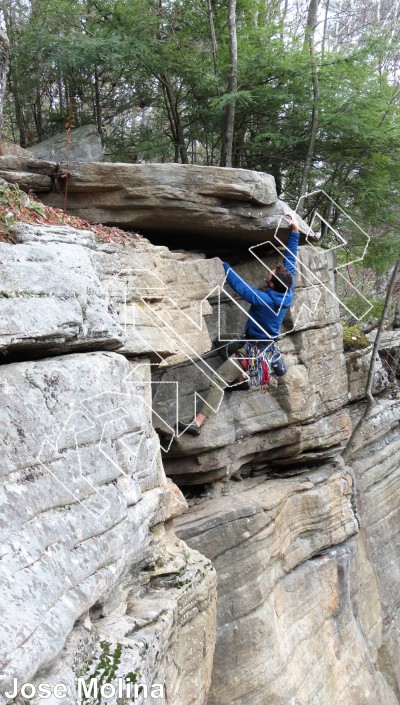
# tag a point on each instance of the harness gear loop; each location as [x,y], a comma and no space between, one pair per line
[260,362]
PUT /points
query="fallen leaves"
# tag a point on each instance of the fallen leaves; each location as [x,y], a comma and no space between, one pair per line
[16,206]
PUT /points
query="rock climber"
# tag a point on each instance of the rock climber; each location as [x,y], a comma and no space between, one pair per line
[267,311]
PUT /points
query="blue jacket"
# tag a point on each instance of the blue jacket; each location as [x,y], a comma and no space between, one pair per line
[268,306]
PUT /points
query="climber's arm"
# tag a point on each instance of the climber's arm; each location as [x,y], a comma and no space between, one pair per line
[289,260]
[246,291]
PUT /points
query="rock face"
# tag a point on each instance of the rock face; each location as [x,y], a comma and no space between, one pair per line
[377,468]
[301,419]
[235,204]
[85,146]
[96,585]
[27,172]
[84,501]
[51,299]
[288,630]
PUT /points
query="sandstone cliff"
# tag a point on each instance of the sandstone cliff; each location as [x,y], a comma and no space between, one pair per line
[104,346]
[95,582]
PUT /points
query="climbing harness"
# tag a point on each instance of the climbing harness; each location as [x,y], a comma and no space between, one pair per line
[260,363]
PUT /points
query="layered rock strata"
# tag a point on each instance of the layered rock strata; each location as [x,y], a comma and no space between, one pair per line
[234,205]
[51,299]
[303,418]
[293,626]
[376,468]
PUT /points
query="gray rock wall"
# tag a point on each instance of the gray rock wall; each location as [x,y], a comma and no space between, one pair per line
[96,583]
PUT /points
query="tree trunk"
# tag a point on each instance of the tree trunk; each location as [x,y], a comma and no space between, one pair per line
[214,45]
[174,117]
[19,114]
[97,101]
[37,114]
[325,32]
[309,40]
[171,104]
[226,156]
[4,49]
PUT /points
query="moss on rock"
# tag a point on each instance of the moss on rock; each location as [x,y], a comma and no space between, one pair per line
[354,339]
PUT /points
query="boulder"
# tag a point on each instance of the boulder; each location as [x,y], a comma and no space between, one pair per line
[217,206]
[300,418]
[84,146]
[172,306]
[158,298]
[30,174]
[39,183]
[229,205]
[161,298]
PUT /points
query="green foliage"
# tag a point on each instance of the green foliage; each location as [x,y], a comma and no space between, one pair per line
[148,75]
[107,666]
[383,250]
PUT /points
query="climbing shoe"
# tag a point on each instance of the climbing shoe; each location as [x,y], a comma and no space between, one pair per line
[191,428]
[242,387]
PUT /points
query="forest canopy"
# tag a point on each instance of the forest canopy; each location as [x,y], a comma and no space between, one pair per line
[307,91]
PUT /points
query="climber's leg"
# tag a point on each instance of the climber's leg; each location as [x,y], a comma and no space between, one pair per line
[226,374]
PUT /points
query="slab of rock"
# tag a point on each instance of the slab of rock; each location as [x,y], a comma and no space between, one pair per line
[51,300]
[26,163]
[39,183]
[287,629]
[168,305]
[84,500]
[84,146]
[161,298]
[158,298]
[302,417]
[235,205]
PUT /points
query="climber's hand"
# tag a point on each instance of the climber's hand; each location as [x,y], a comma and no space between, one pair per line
[293,221]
